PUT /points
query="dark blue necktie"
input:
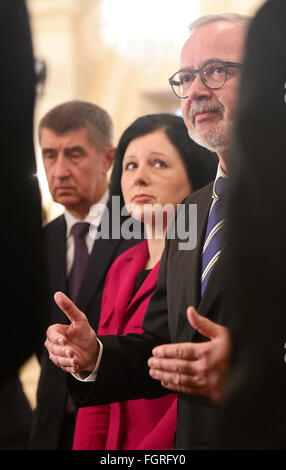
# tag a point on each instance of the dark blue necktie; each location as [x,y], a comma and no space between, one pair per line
[213,238]
[78,230]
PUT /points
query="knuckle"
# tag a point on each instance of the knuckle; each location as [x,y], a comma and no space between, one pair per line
[177,379]
[179,352]
[202,370]
[173,366]
[184,351]
[202,375]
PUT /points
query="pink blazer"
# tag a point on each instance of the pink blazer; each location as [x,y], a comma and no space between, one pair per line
[135,424]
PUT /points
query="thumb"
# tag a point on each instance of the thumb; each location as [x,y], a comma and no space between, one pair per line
[68,307]
[202,324]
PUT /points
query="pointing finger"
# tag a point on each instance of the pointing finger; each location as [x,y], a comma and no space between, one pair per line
[68,307]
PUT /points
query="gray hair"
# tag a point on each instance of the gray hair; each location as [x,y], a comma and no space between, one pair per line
[235,18]
[75,115]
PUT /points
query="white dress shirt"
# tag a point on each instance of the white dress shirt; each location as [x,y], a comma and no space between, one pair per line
[220,172]
[93,220]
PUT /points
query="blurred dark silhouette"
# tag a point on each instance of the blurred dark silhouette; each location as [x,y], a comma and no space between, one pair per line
[254,411]
[21,249]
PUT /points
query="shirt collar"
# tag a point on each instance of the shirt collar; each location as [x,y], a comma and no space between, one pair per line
[220,173]
[98,207]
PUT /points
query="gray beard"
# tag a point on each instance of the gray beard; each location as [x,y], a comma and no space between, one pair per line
[216,139]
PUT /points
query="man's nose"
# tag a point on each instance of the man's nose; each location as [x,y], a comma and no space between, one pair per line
[198,90]
[61,168]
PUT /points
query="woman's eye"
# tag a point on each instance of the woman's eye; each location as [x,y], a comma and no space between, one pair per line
[160,164]
[130,166]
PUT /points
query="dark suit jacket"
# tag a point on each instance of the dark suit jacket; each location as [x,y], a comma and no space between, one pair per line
[52,390]
[124,360]
[254,414]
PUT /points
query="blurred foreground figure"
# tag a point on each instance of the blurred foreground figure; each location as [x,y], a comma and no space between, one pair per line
[21,254]
[254,415]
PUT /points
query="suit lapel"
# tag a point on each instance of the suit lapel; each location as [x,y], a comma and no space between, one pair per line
[98,264]
[215,283]
[212,293]
[59,251]
[187,266]
[96,270]
[195,255]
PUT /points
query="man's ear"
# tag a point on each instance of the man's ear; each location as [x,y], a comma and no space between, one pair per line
[108,157]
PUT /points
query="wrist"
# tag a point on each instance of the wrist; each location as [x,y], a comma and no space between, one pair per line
[94,353]
[91,376]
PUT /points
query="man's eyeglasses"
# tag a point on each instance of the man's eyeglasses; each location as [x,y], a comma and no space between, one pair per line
[213,74]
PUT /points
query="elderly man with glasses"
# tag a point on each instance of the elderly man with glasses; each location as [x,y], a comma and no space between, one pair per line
[186,308]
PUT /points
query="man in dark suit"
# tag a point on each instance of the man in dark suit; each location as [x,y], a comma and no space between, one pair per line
[254,410]
[208,85]
[76,142]
[21,248]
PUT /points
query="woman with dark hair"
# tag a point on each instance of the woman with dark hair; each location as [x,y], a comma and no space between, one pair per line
[156,165]
[200,164]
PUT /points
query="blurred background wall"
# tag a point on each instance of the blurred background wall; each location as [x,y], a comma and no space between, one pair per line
[118,54]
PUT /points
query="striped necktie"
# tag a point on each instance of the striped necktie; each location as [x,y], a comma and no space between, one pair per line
[213,239]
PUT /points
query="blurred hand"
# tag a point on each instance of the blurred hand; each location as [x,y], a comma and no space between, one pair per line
[72,347]
[194,368]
